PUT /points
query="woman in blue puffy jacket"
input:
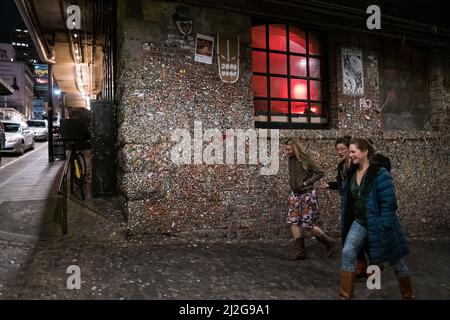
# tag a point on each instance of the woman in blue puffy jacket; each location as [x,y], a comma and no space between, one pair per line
[369,218]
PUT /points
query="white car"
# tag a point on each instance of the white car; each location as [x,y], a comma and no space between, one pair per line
[18,137]
[39,129]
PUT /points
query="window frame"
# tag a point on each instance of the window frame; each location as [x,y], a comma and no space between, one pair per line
[324,98]
[382,81]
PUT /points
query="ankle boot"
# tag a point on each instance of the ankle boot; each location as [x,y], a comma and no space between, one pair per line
[405,287]
[347,284]
[328,242]
[299,253]
[361,269]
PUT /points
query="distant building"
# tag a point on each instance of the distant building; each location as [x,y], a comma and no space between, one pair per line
[24,47]
[19,77]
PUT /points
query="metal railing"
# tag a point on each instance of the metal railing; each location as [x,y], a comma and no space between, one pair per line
[62,190]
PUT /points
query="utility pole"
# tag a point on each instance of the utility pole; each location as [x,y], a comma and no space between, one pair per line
[51,157]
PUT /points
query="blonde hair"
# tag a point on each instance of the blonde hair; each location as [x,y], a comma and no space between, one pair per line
[300,152]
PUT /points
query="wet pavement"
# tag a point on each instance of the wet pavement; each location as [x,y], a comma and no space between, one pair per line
[34,256]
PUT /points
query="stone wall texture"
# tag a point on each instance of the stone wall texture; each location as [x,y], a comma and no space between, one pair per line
[161,88]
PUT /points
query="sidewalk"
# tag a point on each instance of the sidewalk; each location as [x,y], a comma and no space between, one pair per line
[34,257]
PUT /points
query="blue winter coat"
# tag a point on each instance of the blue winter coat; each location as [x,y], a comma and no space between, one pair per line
[387,240]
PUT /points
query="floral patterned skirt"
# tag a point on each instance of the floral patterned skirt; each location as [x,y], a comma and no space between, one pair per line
[303,210]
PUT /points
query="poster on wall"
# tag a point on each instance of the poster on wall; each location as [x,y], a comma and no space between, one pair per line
[41,77]
[352,71]
[204,46]
[228,58]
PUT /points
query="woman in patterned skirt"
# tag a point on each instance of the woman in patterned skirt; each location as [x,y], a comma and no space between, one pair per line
[303,212]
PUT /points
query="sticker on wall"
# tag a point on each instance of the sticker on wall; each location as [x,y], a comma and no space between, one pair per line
[352,71]
[365,104]
[228,58]
[182,20]
[204,46]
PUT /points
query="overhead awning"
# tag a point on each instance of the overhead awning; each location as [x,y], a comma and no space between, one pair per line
[76,54]
[5,89]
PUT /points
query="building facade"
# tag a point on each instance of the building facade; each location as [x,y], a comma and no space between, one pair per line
[19,77]
[301,72]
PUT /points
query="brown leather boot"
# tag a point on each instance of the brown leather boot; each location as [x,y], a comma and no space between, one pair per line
[328,242]
[405,287]
[361,268]
[299,253]
[347,284]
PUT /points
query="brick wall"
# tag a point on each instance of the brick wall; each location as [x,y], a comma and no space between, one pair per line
[161,88]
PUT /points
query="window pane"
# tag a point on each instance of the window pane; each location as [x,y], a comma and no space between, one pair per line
[260,86]
[261,107]
[299,89]
[315,90]
[278,87]
[259,61]
[314,68]
[279,107]
[299,107]
[314,45]
[316,110]
[278,63]
[259,37]
[297,40]
[298,66]
[277,37]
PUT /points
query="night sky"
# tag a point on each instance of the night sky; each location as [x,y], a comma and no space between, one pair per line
[9,18]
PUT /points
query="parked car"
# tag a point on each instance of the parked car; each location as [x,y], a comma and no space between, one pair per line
[2,136]
[2,139]
[39,129]
[18,137]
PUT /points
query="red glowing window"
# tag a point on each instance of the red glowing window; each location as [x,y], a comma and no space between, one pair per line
[278,87]
[259,61]
[297,40]
[299,89]
[277,37]
[315,90]
[259,37]
[299,107]
[298,66]
[316,110]
[261,107]
[260,86]
[287,75]
[314,44]
[278,63]
[314,68]
[279,107]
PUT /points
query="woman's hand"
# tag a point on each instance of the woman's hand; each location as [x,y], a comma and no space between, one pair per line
[324,184]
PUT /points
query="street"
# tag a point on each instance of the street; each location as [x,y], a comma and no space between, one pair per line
[35,257]
[8,158]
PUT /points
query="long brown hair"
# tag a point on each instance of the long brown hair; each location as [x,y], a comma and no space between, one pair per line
[345,140]
[300,152]
[364,145]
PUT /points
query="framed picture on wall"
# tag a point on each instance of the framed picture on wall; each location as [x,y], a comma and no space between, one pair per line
[352,71]
[204,48]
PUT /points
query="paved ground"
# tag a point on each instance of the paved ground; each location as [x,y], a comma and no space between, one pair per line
[34,256]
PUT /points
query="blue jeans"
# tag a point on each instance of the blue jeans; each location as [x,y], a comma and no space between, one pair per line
[356,240]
